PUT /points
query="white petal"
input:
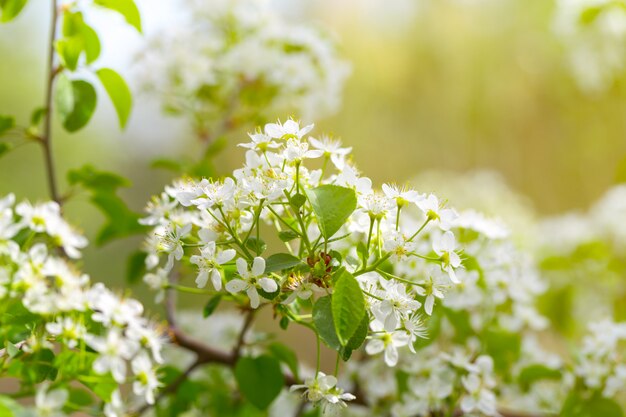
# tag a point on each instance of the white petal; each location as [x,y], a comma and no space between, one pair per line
[391,355]
[268,285]
[428,305]
[202,278]
[236,285]
[258,266]
[225,256]
[242,267]
[254,297]
[374,346]
[216,279]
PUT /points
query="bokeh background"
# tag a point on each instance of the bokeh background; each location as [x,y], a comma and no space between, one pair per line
[446,85]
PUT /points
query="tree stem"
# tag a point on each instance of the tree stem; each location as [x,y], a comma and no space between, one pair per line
[46,138]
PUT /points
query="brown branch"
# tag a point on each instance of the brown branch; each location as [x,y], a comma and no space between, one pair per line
[46,138]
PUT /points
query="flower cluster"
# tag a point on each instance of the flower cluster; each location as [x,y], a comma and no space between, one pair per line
[97,332]
[394,249]
[594,32]
[240,60]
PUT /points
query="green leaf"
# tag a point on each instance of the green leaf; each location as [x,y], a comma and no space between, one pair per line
[127,8]
[260,379]
[37,115]
[287,235]
[122,221]
[10,9]
[211,305]
[91,43]
[577,406]
[136,267]
[298,200]
[10,408]
[6,123]
[348,305]
[64,96]
[95,180]
[84,105]
[357,338]
[504,347]
[12,350]
[69,50]
[332,206]
[118,91]
[533,373]
[324,323]
[258,246]
[285,355]
[280,262]
[5,147]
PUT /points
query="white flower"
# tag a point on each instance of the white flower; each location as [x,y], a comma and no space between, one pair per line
[50,403]
[70,240]
[288,130]
[209,262]
[149,336]
[171,244]
[260,142]
[113,351]
[158,209]
[435,212]
[332,149]
[416,328]
[251,280]
[297,151]
[389,342]
[146,381]
[445,249]
[401,196]
[115,407]
[376,205]
[67,329]
[39,217]
[324,388]
[432,289]
[215,194]
[157,281]
[396,304]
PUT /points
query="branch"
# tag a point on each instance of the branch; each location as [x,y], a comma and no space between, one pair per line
[46,138]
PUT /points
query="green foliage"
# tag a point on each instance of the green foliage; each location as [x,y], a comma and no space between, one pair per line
[533,373]
[357,338]
[127,8]
[578,406]
[332,206]
[6,123]
[10,9]
[280,262]
[256,245]
[211,305]
[136,267]
[5,147]
[286,356]
[78,37]
[504,347]
[324,324]
[119,93]
[76,102]
[260,379]
[348,306]
[121,221]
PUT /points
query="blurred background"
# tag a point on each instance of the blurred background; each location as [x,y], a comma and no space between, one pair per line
[445,85]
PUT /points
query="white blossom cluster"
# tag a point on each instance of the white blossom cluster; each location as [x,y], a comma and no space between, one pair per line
[594,33]
[401,268]
[76,314]
[242,59]
[498,291]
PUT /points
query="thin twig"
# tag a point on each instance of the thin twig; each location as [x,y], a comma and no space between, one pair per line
[46,138]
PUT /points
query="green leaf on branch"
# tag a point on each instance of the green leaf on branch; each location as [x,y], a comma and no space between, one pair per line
[533,373]
[357,339]
[348,306]
[118,91]
[5,147]
[260,379]
[69,50]
[103,186]
[211,305]
[285,355]
[280,262]
[324,323]
[6,123]
[578,406]
[332,206]
[287,235]
[127,8]
[76,104]
[258,246]
[10,9]
[136,267]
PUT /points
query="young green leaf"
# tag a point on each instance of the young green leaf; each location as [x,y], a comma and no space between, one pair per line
[578,406]
[280,262]
[91,43]
[127,8]
[533,373]
[136,267]
[324,323]
[258,246]
[118,91]
[357,338]
[260,379]
[211,305]
[285,355]
[348,306]
[64,96]
[6,123]
[10,9]
[95,180]
[69,50]
[84,105]
[332,205]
